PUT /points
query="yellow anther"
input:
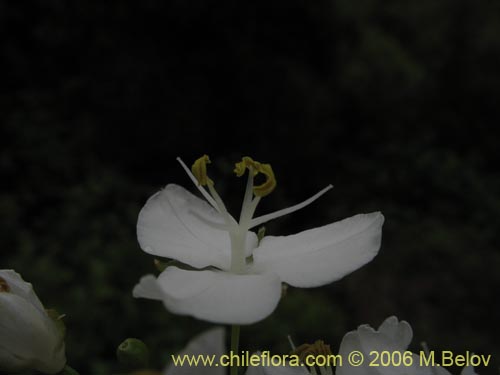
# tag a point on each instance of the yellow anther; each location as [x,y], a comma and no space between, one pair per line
[4,287]
[199,170]
[269,185]
[246,162]
[319,348]
[255,167]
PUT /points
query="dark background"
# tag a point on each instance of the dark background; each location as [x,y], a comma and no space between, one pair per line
[394,102]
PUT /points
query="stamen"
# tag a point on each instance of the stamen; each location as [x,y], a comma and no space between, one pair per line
[247,199]
[199,170]
[264,218]
[198,186]
[199,167]
[249,211]
[269,185]
[290,341]
[246,162]
[254,168]
[4,286]
[319,348]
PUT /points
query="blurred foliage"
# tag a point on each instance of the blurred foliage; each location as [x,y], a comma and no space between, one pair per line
[395,103]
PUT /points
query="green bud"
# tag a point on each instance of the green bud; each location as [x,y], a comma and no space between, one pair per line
[133,354]
[160,265]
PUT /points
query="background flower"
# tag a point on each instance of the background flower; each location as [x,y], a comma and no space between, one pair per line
[391,336]
[29,338]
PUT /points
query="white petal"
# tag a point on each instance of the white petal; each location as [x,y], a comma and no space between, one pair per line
[209,343]
[391,337]
[374,340]
[400,333]
[438,371]
[29,335]
[21,288]
[9,362]
[219,296]
[469,370]
[319,256]
[148,288]
[349,344]
[176,224]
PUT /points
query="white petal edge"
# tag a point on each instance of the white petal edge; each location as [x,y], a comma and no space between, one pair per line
[350,343]
[31,335]
[399,332]
[208,343]
[148,288]
[468,370]
[176,224]
[321,255]
[390,337]
[21,288]
[219,296]
[371,340]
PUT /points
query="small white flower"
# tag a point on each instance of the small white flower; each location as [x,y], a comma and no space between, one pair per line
[29,338]
[391,336]
[235,278]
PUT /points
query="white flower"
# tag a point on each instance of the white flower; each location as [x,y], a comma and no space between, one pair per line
[29,338]
[391,336]
[234,278]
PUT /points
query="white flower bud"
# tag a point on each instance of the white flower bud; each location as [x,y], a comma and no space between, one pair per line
[29,338]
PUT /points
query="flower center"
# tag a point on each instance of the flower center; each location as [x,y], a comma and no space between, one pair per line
[4,287]
[253,193]
[317,350]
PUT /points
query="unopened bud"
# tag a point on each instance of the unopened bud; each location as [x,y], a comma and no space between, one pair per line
[133,354]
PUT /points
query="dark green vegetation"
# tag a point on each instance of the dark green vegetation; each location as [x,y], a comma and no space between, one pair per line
[395,103]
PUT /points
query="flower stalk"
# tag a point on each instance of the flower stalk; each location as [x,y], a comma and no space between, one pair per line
[235,342]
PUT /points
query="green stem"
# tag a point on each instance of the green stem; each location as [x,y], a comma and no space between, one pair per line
[235,341]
